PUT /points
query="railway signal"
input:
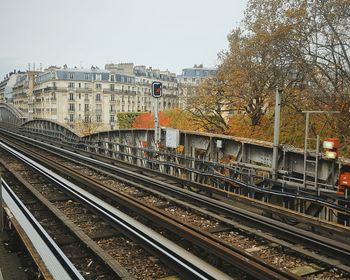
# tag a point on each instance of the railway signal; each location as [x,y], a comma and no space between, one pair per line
[156,93]
[157,89]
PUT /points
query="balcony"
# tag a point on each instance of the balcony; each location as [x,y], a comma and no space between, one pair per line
[50,89]
[120,91]
[108,90]
[40,90]
[128,91]
[84,90]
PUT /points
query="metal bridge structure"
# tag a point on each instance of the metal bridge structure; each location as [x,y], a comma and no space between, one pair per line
[200,157]
[10,116]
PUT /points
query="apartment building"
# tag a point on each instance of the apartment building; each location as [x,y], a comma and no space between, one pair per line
[6,85]
[74,95]
[190,79]
[194,75]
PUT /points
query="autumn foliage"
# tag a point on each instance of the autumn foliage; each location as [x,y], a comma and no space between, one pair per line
[174,118]
[146,120]
[300,47]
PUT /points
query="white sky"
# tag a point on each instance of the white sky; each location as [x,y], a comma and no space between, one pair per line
[158,33]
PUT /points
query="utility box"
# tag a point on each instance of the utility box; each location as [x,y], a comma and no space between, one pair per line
[172,139]
[331,148]
[331,143]
[219,144]
[344,182]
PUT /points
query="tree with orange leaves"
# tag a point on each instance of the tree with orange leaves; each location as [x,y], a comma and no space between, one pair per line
[146,120]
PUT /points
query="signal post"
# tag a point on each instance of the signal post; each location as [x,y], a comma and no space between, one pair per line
[156,93]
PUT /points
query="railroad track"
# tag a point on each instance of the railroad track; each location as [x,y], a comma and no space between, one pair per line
[252,266]
[59,266]
[186,264]
[198,199]
[230,193]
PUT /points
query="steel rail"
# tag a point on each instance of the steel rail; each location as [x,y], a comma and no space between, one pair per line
[197,268]
[336,249]
[54,259]
[300,195]
[236,257]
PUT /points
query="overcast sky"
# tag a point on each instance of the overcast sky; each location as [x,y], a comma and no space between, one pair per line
[158,33]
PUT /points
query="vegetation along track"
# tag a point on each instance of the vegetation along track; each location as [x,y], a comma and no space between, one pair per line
[266,246]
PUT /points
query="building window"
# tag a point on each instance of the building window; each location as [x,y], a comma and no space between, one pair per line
[111,86]
[98,97]
[71,76]
[112,97]
[87,118]
[98,108]
[98,118]
[112,119]
[86,86]
[79,107]
[71,107]
[86,76]
[98,77]
[70,85]
[98,86]
[86,108]
[71,96]
[71,117]
[112,78]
